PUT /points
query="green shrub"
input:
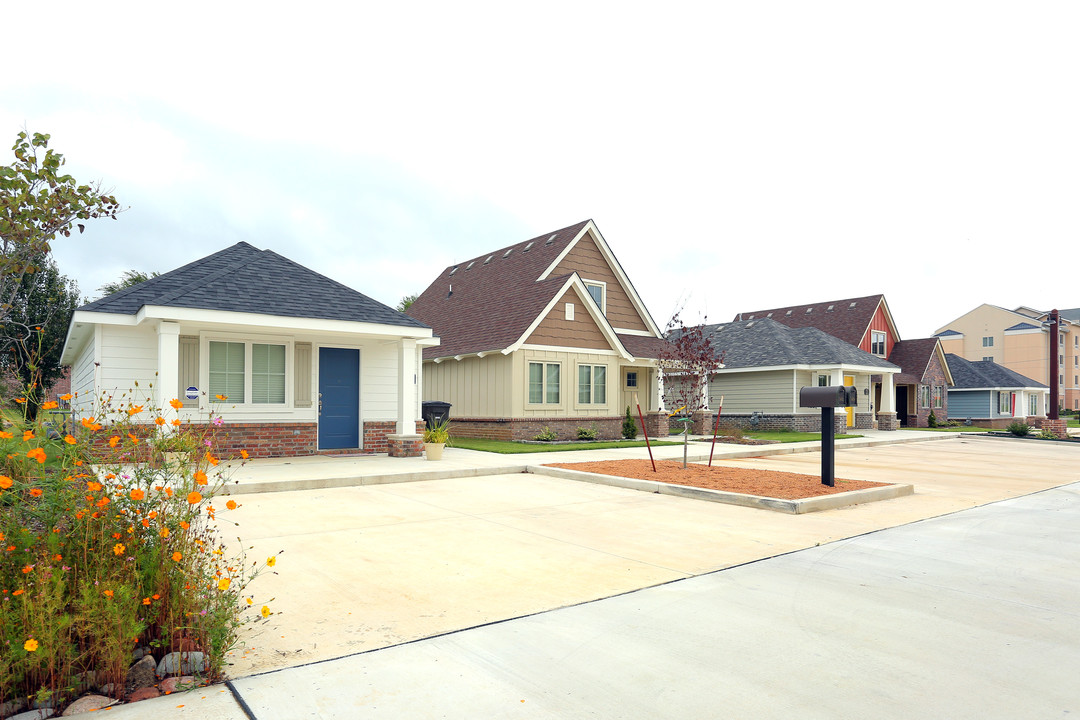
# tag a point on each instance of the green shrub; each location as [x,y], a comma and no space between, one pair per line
[931,421]
[629,427]
[586,433]
[1019,429]
[546,435]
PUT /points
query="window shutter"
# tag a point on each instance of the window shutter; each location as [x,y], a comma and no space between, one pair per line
[189,369]
[302,375]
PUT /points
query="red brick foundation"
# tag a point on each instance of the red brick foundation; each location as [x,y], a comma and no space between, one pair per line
[510,429]
[1058,427]
[888,421]
[405,445]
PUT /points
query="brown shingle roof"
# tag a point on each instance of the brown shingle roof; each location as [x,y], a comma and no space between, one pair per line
[913,357]
[643,347]
[844,319]
[495,296]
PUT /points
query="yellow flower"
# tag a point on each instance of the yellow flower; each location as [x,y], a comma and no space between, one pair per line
[223,584]
[265,611]
[248,600]
[30,645]
[271,561]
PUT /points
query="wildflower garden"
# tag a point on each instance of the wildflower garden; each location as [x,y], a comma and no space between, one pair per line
[109,541]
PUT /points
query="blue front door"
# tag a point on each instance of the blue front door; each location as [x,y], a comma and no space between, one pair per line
[339,398]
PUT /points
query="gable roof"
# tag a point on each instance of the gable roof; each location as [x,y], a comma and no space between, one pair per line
[948,333]
[490,302]
[981,374]
[767,343]
[244,279]
[1022,326]
[845,319]
[914,356]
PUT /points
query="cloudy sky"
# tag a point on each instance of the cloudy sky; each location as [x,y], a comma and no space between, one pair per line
[736,156]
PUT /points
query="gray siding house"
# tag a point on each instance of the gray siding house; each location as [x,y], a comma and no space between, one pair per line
[991,395]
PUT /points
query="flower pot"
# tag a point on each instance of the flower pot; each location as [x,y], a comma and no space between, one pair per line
[434,450]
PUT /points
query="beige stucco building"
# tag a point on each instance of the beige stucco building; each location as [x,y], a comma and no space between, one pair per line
[1019,340]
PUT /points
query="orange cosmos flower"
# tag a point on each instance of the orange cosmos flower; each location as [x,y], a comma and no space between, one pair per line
[137,494]
[20,591]
[152,514]
[114,440]
[159,420]
[118,549]
[27,569]
[231,504]
[200,477]
[93,486]
[5,482]
[211,459]
[168,492]
[156,596]
[222,398]
[103,502]
[65,397]
[51,405]
[134,409]
[185,524]
[89,424]
[164,532]
[37,454]
[145,523]
[108,593]
[176,422]
[223,584]
[36,492]
[176,403]
[5,435]
[146,601]
[177,557]
[69,439]
[271,561]
[30,645]
[194,498]
[27,435]
[57,558]
[134,439]
[244,454]
[21,401]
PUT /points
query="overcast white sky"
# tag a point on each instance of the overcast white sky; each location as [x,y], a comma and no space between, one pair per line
[736,156]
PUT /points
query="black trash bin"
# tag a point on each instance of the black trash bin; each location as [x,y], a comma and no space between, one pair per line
[435,412]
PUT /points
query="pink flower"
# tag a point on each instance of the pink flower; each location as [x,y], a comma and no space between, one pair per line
[218,421]
[207,443]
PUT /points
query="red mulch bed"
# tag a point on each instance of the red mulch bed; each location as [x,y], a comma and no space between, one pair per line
[745,481]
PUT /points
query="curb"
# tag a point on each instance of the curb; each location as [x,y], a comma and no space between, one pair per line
[360,480]
[791,507]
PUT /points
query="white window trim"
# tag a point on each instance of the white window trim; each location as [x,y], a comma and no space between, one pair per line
[592,385]
[884,342]
[206,402]
[603,292]
[569,311]
[637,380]
[543,388]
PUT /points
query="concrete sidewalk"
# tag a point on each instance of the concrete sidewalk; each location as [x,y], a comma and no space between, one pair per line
[370,566]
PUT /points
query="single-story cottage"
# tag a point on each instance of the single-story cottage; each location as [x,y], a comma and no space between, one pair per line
[992,395]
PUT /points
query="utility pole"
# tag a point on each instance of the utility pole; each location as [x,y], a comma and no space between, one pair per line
[1055,324]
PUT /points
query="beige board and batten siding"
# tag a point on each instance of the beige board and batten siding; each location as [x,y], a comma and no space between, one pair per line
[808,378]
[768,392]
[475,387]
[581,332]
[568,387]
[588,262]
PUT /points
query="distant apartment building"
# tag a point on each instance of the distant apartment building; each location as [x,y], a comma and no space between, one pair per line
[1020,341]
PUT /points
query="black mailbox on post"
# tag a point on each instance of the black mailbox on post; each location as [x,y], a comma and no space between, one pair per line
[828,398]
[831,396]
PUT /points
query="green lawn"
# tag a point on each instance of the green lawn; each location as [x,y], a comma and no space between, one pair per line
[790,437]
[958,428]
[1072,421]
[507,448]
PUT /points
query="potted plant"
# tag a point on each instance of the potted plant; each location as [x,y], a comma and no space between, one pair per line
[176,448]
[435,438]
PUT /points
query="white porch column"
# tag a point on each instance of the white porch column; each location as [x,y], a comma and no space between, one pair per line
[837,377]
[660,390]
[888,394]
[705,394]
[168,367]
[408,377]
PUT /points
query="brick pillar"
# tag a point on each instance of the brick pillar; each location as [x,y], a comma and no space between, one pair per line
[657,425]
[702,424]
[1057,426]
[888,421]
[405,445]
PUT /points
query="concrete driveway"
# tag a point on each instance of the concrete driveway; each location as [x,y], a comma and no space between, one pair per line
[368,567]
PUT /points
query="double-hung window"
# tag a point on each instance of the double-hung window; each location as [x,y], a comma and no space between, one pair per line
[592,384]
[544,383]
[924,396]
[1005,403]
[877,343]
[988,341]
[246,372]
[597,291]
[824,380]
[939,393]
[1033,404]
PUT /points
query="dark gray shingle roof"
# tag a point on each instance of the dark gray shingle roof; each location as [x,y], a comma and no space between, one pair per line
[765,342]
[242,278]
[968,374]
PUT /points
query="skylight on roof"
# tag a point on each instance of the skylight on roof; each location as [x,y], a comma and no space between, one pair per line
[454,270]
[769,315]
[751,317]
[851,306]
[528,246]
[787,314]
[469,266]
[551,239]
[829,309]
[507,253]
[488,259]
[808,310]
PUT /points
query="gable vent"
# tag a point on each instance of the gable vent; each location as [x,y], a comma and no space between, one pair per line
[787,314]
[488,259]
[528,246]
[551,239]
[454,270]
[469,266]
[507,253]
